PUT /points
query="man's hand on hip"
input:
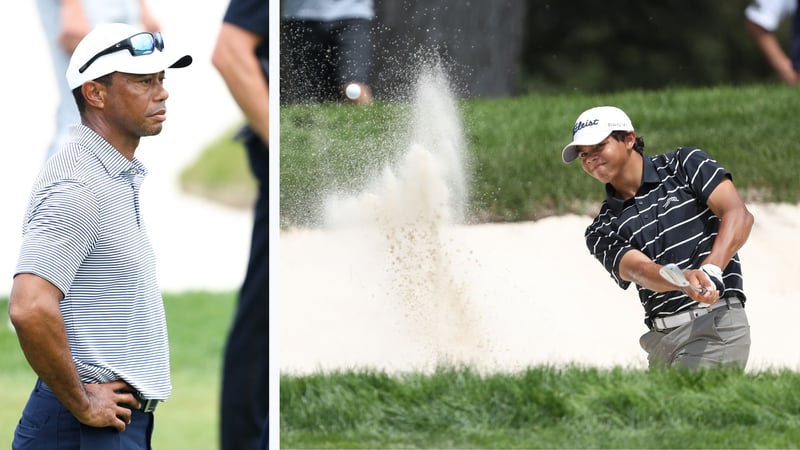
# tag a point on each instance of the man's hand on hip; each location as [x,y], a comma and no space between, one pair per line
[109,405]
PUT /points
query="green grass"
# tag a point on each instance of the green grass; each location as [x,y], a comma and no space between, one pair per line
[541,407]
[222,173]
[513,146]
[198,323]
[516,144]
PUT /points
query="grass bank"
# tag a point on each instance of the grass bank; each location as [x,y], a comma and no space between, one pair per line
[513,147]
[541,407]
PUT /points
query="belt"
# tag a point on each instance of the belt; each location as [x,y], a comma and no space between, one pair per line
[147,405]
[678,319]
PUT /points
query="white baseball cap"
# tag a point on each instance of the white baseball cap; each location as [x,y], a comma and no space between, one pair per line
[594,125]
[110,41]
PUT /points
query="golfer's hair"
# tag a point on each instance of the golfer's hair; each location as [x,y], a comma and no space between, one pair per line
[78,95]
[638,145]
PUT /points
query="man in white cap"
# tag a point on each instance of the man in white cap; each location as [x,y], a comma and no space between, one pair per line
[678,208]
[85,301]
[65,23]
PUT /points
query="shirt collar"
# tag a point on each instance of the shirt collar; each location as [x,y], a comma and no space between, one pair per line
[115,164]
[649,177]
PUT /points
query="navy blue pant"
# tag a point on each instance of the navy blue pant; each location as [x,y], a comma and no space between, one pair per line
[244,376]
[47,425]
[264,444]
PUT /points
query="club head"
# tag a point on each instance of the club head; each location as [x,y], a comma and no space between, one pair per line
[672,273]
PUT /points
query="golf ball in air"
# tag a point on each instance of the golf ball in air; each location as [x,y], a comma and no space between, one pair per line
[353,91]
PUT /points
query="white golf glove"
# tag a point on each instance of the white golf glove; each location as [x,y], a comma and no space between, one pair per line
[714,275]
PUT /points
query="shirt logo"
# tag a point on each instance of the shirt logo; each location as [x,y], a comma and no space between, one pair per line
[669,200]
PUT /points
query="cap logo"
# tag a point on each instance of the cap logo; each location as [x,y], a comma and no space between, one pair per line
[581,125]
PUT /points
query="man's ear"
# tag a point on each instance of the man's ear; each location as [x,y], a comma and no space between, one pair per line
[95,93]
[630,139]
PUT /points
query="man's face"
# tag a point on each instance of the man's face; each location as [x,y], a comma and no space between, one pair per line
[136,104]
[606,160]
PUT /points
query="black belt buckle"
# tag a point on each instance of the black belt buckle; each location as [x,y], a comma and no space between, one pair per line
[147,406]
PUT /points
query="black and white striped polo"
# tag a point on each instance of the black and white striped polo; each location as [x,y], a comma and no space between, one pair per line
[668,220]
[83,232]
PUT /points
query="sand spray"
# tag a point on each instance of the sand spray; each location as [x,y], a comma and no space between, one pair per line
[411,206]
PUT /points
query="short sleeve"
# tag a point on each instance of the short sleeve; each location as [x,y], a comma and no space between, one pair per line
[607,246]
[701,172]
[768,13]
[252,15]
[60,231]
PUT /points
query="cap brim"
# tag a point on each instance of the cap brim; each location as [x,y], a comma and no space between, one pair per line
[184,61]
[570,153]
[152,63]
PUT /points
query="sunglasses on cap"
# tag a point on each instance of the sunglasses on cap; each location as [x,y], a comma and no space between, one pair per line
[139,44]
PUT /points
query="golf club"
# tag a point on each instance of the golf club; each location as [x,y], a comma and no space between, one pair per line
[672,273]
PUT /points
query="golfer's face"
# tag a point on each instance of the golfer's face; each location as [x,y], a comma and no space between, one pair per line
[594,158]
[139,103]
[605,160]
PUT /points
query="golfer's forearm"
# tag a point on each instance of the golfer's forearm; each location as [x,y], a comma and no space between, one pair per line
[43,340]
[637,268]
[649,278]
[734,230]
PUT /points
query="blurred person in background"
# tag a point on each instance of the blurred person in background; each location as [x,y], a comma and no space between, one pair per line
[241,55]
[762,19]
[326,46]
[65,23]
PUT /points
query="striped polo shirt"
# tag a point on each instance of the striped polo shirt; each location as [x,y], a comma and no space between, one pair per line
[668,220]
[83,232]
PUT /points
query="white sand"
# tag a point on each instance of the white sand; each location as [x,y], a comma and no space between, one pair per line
[501,297]
[391,283]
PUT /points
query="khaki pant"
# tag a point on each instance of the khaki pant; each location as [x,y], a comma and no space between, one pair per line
[721,337]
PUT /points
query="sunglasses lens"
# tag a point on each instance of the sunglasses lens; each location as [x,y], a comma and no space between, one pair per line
[142,44]
[159,41]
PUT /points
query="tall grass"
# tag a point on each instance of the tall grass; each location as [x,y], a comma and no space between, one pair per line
[513,147]
[541,407]
[198,323]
